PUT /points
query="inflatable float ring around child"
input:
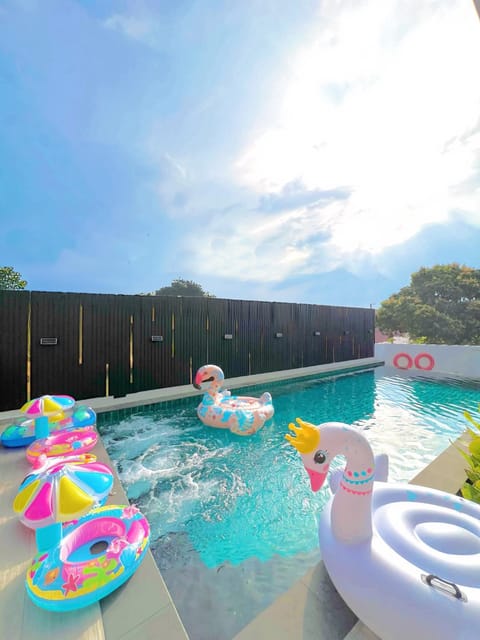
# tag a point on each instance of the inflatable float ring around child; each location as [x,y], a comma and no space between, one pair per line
[96,555]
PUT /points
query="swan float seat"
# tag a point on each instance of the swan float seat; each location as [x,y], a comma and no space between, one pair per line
[243,415]
[405,558]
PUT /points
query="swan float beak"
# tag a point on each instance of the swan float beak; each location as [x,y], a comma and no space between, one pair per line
[197,381]
[316,479]
[200,376]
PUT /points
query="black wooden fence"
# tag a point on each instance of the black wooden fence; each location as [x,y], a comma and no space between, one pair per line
[91,345]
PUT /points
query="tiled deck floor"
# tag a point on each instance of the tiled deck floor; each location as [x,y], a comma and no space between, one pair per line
[142,608]
[138,609]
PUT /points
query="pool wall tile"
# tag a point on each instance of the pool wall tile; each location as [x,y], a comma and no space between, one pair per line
[107,404]
[110,417]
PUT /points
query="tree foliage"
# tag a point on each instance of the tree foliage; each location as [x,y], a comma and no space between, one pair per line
[441,306]
[11,279]
[180,287]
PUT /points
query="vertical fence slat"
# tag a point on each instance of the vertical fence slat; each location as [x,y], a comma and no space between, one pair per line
[54,367]
[105,341]
[191,338]
[13,348]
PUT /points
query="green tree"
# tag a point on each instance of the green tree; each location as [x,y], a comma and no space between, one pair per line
[180,287]
[441,306]
[10,279]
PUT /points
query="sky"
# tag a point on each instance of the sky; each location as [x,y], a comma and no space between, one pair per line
[316,151]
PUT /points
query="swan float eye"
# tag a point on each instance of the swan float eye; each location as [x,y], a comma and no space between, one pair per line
[320,456]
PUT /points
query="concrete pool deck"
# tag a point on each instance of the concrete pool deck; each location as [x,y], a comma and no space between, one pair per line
[138,609]
[143,608]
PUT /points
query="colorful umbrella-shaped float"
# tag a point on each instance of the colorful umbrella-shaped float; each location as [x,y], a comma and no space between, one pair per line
[45,407]
[61,489]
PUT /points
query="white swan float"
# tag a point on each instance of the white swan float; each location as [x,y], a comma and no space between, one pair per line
[243,415]
[406,559]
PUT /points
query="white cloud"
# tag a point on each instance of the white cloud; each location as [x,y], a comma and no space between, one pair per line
[141,21]
[384,101]
[254,246]
[134,27]
[382,104]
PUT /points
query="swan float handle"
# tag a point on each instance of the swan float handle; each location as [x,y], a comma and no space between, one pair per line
[443,585]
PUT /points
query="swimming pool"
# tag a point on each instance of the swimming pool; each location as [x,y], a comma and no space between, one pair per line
[233,519]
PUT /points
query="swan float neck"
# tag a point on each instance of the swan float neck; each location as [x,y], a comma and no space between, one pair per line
[351,511]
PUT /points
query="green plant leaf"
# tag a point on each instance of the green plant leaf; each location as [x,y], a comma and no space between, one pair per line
[473,434]
[473,476]
[467,457]
[471,492]
[475,461]
[474,446]
[469,417]
[466,491]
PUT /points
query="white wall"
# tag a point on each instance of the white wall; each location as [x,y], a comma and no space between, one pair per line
[421,358]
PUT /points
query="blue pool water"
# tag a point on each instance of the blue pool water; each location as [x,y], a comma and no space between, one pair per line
[215,500]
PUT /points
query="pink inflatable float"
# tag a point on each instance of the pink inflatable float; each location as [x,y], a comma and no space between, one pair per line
[63,443]
[243,415]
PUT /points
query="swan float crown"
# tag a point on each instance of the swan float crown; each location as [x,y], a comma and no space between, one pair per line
[307,436]
[318,446]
